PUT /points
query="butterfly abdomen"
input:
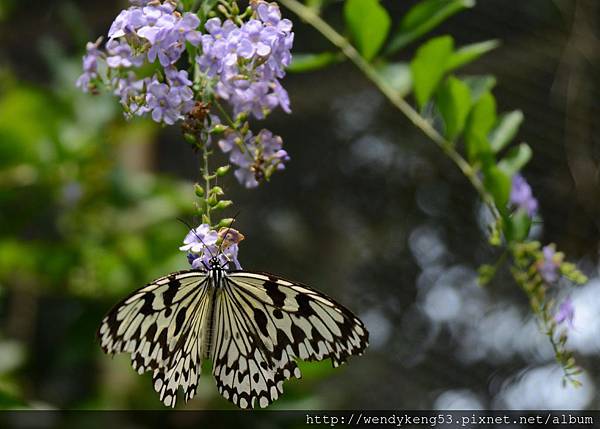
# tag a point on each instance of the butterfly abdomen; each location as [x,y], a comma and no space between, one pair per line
[210,323]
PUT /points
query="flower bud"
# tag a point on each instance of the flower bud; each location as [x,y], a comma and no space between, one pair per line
[219,129]
[199,190]
[225,223]
[223,204]
[222,171]
[190,138]
[242,117]
[217,190]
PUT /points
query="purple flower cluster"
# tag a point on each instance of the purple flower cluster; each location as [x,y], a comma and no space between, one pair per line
[248,60]
[522,197]
[165,30]
[201,246]
[147,32]
[257,157]
[168,101]
[242,63]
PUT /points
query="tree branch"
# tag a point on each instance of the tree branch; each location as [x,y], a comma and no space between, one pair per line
[312,18]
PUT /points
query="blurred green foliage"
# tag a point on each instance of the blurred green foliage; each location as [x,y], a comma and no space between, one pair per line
[81,218]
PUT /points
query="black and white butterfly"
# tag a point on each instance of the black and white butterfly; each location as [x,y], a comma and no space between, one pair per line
[251,325]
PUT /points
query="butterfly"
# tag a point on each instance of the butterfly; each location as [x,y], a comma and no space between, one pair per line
[253,326]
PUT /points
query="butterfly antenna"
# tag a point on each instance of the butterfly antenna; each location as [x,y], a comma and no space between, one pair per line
[197,236]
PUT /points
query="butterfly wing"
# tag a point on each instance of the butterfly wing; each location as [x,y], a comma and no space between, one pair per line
[161,325]
[263,323]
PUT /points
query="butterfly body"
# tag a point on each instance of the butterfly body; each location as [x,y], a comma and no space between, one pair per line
[253,326]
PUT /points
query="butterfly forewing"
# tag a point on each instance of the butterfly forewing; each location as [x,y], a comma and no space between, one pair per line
[253,326]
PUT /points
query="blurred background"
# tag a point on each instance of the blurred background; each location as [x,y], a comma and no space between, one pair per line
[368,211]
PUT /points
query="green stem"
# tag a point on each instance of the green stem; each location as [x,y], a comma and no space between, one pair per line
[196,5]
[233,125]
[207,185]
[226,115]
[312,18]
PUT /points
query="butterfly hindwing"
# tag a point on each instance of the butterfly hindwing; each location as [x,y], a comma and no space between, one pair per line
[277,321]
[243,366]
[161,325]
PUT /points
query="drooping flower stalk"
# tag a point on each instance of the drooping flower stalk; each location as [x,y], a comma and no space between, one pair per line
[209,74]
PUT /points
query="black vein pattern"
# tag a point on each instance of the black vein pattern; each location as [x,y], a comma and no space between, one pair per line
[253,326]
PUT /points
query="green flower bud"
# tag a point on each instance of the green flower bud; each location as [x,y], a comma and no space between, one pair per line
[190,138]
[225,223]
[223,204]
[242,117]
[199,190]
[217,190]
[222,171]
[219,129]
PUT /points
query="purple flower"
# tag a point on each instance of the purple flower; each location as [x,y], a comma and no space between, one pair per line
[127,22]
[186,27]
[565,313]
[169,101]
[90,66]
[200,245]
[522,197]
[548,267]
[198,239]
[270,14]
[131,92]
[159,102]
[168,34]
[120,55]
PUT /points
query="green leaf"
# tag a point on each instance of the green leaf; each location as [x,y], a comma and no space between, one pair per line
[470,53]
[505,130]
[422,18]
[518,226]
[479,123]
[498,184]
[429,65]
[397,75]
[516,159]
[310,62]
[454,104]
[369,25]
[479,85]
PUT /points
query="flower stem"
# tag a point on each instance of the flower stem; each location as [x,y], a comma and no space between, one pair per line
[312,18]
[207,185]
[225,114]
